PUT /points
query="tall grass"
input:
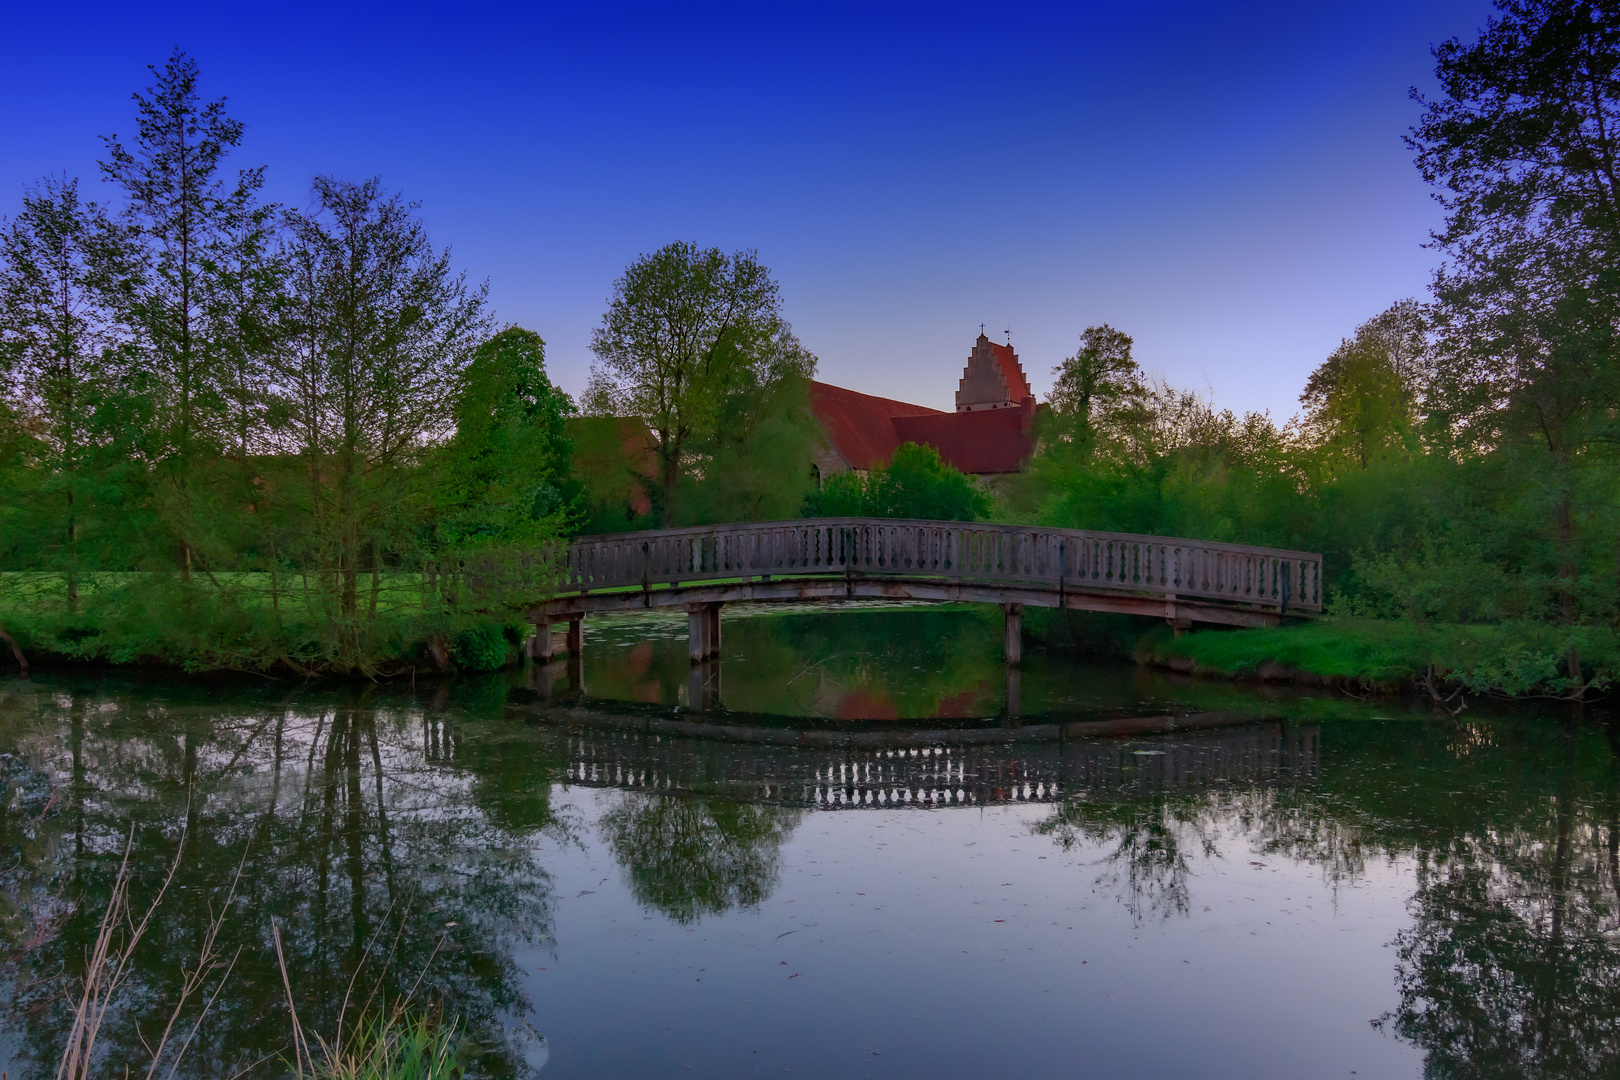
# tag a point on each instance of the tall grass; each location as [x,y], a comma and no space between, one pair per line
[394,1043]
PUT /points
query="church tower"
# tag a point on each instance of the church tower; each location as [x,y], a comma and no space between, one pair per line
[993,379]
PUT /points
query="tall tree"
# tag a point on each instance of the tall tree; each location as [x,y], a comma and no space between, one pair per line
[1523,145]
[380,333]
[1361,402]
[686,329]
[509,466]
[1095,386]
[60,260]
[195,225]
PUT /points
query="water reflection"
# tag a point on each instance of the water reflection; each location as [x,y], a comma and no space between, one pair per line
[688,857]
[367,857]
[411,827]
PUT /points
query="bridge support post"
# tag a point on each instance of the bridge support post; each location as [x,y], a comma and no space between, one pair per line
[540,644]
[703,631]
[576,635]
[714,629]
[1015,693]
[1013,638]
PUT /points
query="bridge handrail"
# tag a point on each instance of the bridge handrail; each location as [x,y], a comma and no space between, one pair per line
[1080,559]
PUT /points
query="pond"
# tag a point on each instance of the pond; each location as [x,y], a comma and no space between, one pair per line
[853,847]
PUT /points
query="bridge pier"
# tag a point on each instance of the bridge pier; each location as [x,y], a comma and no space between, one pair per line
[703,630]
[541,647]
[1012,642]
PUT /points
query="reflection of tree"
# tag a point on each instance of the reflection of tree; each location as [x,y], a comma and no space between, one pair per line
[690,857]
[367,853]
[1150,838]
[1511,966]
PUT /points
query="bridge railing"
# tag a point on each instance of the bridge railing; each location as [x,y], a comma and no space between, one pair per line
[961,552]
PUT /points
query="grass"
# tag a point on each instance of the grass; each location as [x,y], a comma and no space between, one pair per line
[229,622]
[1513,659]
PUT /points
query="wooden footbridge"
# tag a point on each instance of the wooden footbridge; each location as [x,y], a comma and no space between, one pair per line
[829,559]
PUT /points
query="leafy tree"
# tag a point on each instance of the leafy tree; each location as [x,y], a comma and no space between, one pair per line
[686,331]
[754,464]
[916,483]
[1100,385]
[199,236]
[1522,148]
[381,332]
[509,466]
[1362,401]
[60,260]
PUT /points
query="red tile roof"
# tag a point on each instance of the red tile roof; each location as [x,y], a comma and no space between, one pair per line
[987,441]
[866,430]
[1012,372]
[861,426]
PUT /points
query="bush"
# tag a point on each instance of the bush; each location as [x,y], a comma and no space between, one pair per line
[917,483]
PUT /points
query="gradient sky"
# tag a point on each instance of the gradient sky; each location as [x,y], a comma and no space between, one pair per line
[1225,182]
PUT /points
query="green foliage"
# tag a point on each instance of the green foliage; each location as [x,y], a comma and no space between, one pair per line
[232,436]
[755,467]
[1361,403]
[694,345]
[483,647]
[916,483]
[1509,658]
[393,1047]
[506,477]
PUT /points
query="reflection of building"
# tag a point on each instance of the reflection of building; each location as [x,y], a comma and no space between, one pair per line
[787,767]
[989,434]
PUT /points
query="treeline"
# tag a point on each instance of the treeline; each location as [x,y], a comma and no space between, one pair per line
[240,434]
[1455,460]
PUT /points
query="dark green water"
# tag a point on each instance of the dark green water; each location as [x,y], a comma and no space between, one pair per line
[1330,888]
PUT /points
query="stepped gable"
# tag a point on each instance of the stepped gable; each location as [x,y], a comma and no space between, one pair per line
[861,427]
[993,379]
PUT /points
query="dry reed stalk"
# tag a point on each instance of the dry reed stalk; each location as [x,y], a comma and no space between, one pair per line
[207,961]
[108,967]
[300,1046]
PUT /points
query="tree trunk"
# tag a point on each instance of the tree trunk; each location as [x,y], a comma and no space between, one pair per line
[670,460]
[22,661]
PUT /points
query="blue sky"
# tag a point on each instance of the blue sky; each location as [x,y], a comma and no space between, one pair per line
[1225,182]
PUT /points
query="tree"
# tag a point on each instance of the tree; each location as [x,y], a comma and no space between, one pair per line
[379,336]
[1362,401]
[1523,146]
[509,466]
[200,236]
[60,260]
[686,330]
[1096,386]
[754,463]
[916,483]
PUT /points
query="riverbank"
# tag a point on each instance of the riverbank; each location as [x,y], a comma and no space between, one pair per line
[1510,659]
[228,624]
[213,630]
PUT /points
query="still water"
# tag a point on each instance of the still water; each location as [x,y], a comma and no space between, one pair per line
[884,858]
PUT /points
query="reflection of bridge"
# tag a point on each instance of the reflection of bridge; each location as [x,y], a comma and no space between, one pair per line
[943,774]
[1182,581]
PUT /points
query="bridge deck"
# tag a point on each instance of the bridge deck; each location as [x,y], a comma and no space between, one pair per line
[882,558]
